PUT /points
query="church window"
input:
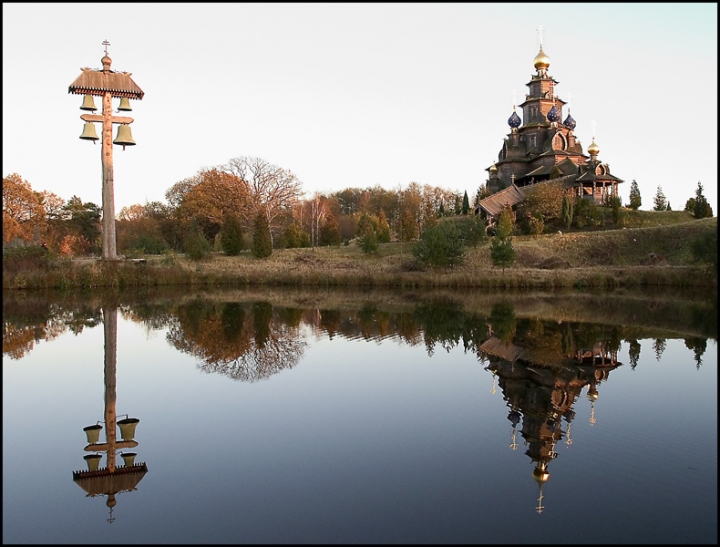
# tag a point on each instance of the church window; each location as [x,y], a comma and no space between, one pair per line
[600,170]
[559,142]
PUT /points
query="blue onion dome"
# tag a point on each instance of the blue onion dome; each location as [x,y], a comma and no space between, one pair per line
[514,120]
[553,115]
[569,122]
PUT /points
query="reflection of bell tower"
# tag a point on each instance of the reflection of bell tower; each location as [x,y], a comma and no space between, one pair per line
[112,479]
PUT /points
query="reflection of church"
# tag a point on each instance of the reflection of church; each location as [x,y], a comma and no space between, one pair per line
[543,146]
[541,397]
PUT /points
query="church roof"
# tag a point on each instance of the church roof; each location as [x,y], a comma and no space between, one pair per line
[494,204]
[495,346]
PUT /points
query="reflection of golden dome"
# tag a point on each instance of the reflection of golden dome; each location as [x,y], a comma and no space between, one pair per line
[540,475]
[592,394]
[111,502]
[493,168]
[541,60]
[593,149]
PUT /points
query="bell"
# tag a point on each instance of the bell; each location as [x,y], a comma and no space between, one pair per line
[128,425]
[124,104]
[89,132]
[88,103]
[129,458]
[124,137]
[93,433]
[93,461]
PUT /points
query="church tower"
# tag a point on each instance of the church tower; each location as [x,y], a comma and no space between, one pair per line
[542,146]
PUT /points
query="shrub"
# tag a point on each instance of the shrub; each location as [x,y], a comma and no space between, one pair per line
[28,258]
[196,246]
[441,245]
[149,244]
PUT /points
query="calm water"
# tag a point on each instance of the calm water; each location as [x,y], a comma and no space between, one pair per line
[360,417]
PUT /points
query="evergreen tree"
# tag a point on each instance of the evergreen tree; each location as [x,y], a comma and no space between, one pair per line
[668,208]
[690,206]
[566,213]
[330,232]
[441,245]
[465,204]
[458,205]
[441,210]
[502,252]
[701,207]
[635,200]
[368,242]
[659,200]
[261,242]
[364,225]
[194,244]
[231,237]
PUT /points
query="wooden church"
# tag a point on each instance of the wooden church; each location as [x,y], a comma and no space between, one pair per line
[540,147]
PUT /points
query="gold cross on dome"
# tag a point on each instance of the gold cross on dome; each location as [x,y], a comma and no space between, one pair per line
[540,30]
[106,44]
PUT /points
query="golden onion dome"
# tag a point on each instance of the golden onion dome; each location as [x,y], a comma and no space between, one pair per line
[541,60]
[493,168]
[540,475]
[593,149]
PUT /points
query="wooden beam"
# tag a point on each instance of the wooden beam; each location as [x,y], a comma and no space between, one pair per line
[113,119]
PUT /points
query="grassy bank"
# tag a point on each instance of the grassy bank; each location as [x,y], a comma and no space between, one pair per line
[644,256]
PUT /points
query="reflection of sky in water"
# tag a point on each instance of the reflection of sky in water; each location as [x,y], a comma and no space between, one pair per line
[360,441]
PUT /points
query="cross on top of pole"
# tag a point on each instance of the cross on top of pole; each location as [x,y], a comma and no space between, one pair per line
[594,125]
[540,30]
[106,44]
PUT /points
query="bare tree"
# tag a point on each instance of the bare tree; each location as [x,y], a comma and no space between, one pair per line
[273,190]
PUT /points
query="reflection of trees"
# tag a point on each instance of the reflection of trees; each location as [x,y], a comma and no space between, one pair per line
[659,347]
[502,320]
[226,343]
[444,323]
[698,347]
[633,353]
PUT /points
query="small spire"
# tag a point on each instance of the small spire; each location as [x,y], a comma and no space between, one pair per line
[514,93]
[106,44]
[540,30]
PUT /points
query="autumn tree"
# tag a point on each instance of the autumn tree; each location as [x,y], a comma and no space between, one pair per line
[383,228]
[23,213]
[208,197]
[543,201]
[85,221]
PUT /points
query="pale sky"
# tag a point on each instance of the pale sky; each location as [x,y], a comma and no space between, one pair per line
[358,95]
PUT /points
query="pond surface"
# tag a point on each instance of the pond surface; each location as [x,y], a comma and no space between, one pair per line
[294,416]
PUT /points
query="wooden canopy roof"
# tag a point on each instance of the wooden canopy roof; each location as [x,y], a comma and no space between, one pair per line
[98,82]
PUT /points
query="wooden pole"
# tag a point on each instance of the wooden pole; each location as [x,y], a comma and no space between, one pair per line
[110,327]
[109,249]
